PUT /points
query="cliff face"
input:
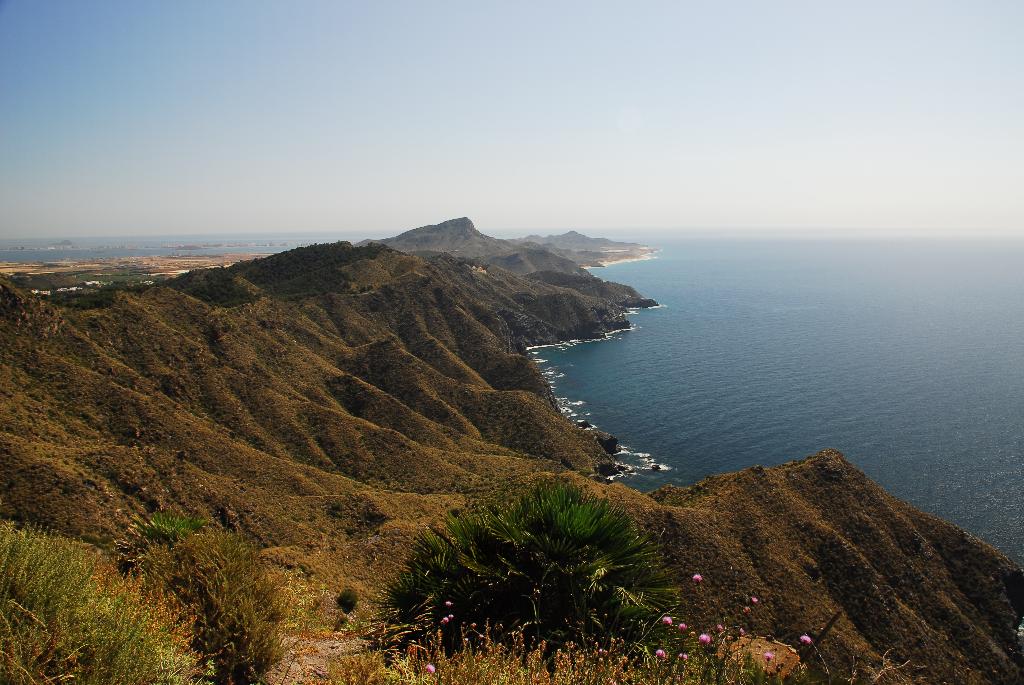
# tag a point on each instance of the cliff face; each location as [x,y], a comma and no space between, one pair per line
[330,401]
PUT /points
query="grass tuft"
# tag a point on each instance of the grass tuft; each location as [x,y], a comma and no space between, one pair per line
[66,617]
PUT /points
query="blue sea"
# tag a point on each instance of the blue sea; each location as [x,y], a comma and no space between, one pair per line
[908,356]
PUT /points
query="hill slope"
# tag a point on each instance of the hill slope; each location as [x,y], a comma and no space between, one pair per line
[817,538]
[285,393]
[329,401]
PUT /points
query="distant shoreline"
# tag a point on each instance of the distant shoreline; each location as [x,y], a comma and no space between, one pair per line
[152,264]
[568,407]
[632,258]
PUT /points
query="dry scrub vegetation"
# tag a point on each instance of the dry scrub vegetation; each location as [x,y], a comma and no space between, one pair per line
[555,588]
[329,403]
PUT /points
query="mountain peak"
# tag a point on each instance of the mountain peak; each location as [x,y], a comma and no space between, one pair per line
[457,236]
[461,227]
[462,223]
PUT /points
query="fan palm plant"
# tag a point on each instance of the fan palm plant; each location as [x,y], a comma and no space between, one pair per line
[161,529]
[555,566]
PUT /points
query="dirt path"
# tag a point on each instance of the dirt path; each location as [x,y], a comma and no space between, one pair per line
[307,659]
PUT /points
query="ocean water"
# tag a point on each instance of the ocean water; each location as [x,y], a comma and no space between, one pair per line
[908,356]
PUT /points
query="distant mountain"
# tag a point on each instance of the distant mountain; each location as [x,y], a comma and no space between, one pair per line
[460,237]
[586,251]
[567,253]
[456,236]
[573,240]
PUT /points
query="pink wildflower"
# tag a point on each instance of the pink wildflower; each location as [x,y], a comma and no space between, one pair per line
[720,628]
[742,632]
[704,639]
[667,620]
[448,603]
[684,656]
[444,621]
[431,668]
[805,639]
[768,656]
[754,600]
[660,654]
[682,627]
[697,577]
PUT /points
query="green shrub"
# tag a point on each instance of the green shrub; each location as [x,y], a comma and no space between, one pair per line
[217,576]
[161,528]
[556,566]
[347,600]
[168,529]
[65,617]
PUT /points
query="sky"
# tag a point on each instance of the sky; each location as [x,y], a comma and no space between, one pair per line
[148,117]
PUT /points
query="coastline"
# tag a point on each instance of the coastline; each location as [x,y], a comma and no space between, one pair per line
[578,341]
[572,409]
[623,260]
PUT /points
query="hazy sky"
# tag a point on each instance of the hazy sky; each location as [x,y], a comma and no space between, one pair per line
[162,117]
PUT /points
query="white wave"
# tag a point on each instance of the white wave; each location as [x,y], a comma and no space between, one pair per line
[631,461]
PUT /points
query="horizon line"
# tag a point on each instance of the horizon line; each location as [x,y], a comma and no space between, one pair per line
[823,232]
